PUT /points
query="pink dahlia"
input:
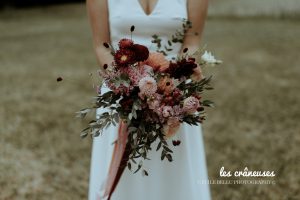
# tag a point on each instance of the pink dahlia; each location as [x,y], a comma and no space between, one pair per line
[147,86]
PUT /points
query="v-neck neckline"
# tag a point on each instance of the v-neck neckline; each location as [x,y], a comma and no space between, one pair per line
[143,10]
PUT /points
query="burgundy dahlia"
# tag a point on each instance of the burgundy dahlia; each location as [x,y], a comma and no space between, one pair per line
[182,68]
[124,57]
[141,52]
[125,43]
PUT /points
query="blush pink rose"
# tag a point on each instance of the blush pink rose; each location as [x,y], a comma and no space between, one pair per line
[167,111]
[191,104]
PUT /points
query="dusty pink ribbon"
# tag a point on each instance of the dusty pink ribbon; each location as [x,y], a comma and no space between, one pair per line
[118,162]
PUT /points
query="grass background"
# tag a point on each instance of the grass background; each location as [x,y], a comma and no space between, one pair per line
[255,123]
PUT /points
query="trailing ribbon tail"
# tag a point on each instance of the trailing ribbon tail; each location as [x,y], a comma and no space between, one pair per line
[118,162]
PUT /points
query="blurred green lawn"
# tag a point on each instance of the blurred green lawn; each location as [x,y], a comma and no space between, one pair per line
[255,123]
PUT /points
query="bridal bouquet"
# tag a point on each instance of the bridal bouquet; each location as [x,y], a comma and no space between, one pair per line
[149,97]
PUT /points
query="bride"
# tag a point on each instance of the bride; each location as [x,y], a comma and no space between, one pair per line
[186,177]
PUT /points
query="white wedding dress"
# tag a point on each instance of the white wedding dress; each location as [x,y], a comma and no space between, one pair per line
[186,177]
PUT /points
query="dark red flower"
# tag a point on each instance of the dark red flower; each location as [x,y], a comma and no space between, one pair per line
[200,109]
[177,95]
[125,43]
[182,68]
[141,52]
[124,57]
[126,103]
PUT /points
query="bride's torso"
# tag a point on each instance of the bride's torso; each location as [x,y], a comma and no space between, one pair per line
[165,18]
[180,179]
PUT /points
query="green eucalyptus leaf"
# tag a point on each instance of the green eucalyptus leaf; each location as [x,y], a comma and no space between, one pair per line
[158,146]
[169,157]
[168,149]
[116,117]
[145,173]
[130,116]
[139,167]
[129,165]
[208,103]
[84,132]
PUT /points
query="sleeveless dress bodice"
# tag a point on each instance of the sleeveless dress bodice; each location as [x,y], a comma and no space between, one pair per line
[166,17]
[186,177]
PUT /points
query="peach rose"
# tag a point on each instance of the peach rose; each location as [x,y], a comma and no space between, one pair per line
[171,127]
[157,61]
